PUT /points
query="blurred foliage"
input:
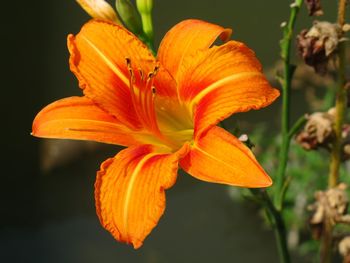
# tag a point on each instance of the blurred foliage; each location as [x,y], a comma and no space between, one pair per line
[306,170]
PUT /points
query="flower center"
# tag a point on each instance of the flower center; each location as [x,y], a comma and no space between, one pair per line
[168,123]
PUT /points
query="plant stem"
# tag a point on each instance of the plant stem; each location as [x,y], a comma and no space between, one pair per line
[296,127]
[277,222]
[340,108]
[326,245]
[286,84]
[340,104]
[341,12]
[274,210]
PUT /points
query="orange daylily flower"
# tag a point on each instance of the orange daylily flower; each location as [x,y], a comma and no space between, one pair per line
[164,109]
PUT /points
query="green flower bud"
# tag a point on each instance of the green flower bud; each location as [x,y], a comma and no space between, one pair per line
[145,10]
[129,16]
[144,6]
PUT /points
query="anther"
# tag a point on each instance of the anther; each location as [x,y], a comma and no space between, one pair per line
[150,75]
[154,90]
[128,62]
[156,69]
[141,74]
[131,72]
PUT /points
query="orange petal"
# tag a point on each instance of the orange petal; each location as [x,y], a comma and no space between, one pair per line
[129,191]
[221,81]
[98,59]
[219,157]
[80,118]
[101,70]
[185,38]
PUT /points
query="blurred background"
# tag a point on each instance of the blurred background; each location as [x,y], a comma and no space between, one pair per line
[47,209]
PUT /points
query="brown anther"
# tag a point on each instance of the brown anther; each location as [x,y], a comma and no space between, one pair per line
[128,62]
[154,90]
[153,73]
[131,72]
[141,74]
[156,69]
[150,75]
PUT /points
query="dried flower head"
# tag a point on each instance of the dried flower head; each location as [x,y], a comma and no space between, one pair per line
[318,131]
[330,206]
[344,249]
[346,141]
[317,45]
[314,7]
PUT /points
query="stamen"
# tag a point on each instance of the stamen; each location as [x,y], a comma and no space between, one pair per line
[150,75]
[128,62]
[156,68]
[141,74]
[132,80]
[143,98]
[150,104]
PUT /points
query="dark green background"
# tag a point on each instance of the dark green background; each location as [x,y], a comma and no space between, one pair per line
[50,216]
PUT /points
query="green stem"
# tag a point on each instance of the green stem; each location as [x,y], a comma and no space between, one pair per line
[147,25]
[274,210]
[286,84]
[277,223]
[296,127]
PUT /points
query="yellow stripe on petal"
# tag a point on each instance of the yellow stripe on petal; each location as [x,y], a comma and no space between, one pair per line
[108,61]
[106,58]
[130,191]
[98,59]
[131,186]
[220,81]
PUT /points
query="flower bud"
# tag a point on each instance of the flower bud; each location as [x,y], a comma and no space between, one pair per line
[145,10]
[99,9]
[144,6]
[129,15]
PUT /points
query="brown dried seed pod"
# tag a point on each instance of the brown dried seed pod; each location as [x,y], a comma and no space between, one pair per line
[314,7]
[318,44]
